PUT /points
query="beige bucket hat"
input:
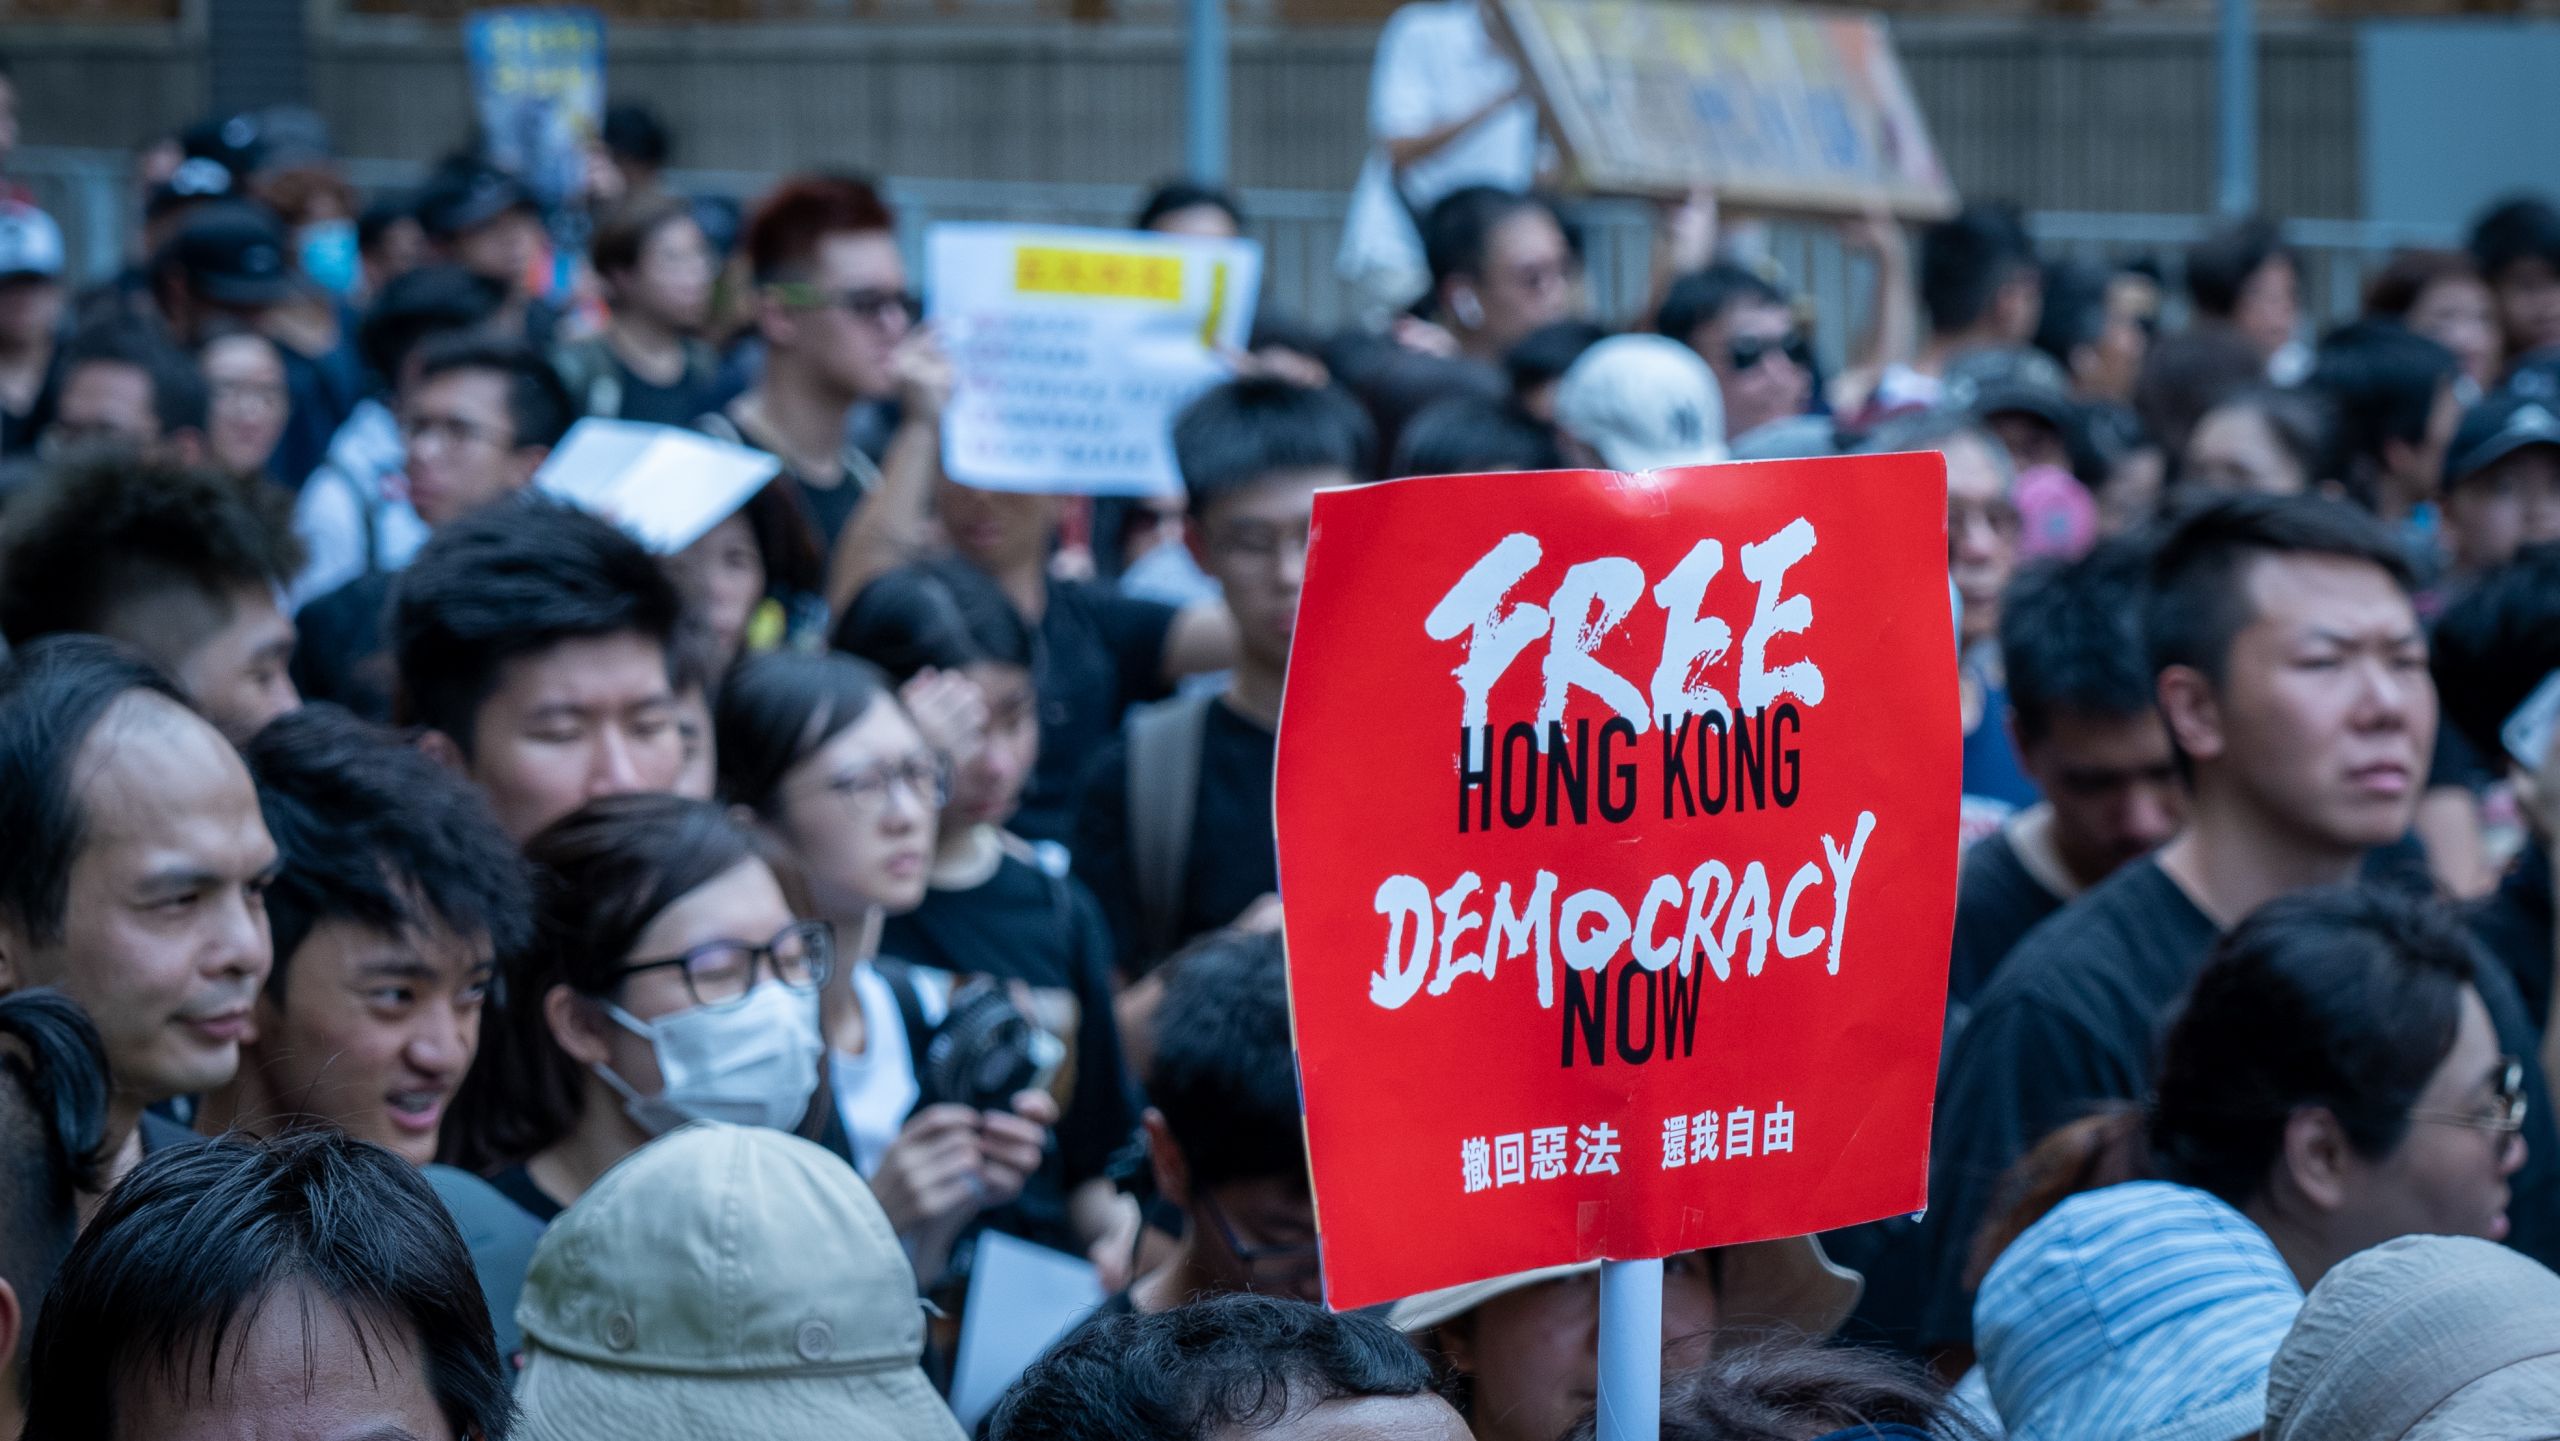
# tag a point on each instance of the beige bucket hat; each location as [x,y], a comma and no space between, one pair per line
[725,1282]
[1770,1287]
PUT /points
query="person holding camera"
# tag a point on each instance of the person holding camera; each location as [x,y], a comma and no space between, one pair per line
[932,1089]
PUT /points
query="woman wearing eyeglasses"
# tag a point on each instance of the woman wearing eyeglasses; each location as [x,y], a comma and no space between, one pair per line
[2333,1081]
[825,757]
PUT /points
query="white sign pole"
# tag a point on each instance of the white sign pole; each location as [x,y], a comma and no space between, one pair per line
[1630,1351]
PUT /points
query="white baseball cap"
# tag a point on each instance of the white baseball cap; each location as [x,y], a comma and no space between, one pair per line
[30,243]
[725,1281]
[1645,402]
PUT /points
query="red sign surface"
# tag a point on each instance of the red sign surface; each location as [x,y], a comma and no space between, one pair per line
[1618,838]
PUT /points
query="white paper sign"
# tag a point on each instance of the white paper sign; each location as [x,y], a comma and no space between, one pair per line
[1022,1298]
[1073,349]
[666,485]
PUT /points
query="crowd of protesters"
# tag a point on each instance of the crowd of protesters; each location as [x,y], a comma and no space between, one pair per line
[463,975]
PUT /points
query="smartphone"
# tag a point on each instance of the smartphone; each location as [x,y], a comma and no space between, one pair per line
[2527,733]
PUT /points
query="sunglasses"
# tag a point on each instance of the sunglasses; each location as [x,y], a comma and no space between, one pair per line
[1751,350]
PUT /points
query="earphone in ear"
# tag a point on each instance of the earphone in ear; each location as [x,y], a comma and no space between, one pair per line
[1468,310]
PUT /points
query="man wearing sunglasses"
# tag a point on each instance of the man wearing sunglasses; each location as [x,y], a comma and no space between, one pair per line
[1746,331]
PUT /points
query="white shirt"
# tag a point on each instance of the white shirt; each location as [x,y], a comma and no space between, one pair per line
[364,459]
[877,1090]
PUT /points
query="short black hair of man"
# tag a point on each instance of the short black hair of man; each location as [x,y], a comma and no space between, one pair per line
[633,132]
[1456,231]
[1469,435]
[180,400]
[1542,356]
[2071,639]
[1702,296]
[510,581]
[2199,592]
[1224,1076]
[2516,229]
[539,409]
[1230,1364]
[92,538]
[2219,266]
[2493,647]
[2075,309]
[429,301]
[53,1121]
[1178,195]
[1236,434]
[2382,380]
[1965,259]
[370,831]
[199,1238]
[52,695]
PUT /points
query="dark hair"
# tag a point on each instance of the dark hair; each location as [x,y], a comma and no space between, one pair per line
[199,1239]
[1701,297]
[509,581]
[2199,593]
[2108,1147]
[779,709]
[626,229]
[1465,435]
[2071,639]
[1456,231]
[600,876]
[2302,421]
[2493,647]
[180,399]
[941,614]
[1175,195]
[2187,375]
[2075,308]
[787,539]
[1788,1390]
[539,409]
[52,695]
[1235,435]
[2383,380]
[1964,260]
[1230,1363]
[2396,289]
[783,235]
[53,1125]
[428,301]
[2345,998]
[1224,1075]
[2219,266]
[379,215]
[1543,355]
[633,132]
[92,539]
[2516,229]
[368,830]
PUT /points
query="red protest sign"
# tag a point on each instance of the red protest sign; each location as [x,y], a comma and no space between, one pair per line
[1617,828]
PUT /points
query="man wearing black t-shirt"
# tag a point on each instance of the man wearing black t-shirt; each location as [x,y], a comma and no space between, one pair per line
[2089,737]
[2292,673]
[1174,832]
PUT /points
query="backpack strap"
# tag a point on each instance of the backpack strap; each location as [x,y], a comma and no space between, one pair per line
[1165,740]
[902,988]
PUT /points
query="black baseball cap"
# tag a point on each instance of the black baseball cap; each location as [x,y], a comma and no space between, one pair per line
[465,194]
[232,253]
[2014,381]
[2496,428]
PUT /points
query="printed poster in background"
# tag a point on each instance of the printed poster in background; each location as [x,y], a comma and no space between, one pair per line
[1617,823]
[1775,107]
[1073,349]
[537,85]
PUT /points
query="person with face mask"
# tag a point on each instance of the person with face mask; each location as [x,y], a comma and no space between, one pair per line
[820,751]
[670,980]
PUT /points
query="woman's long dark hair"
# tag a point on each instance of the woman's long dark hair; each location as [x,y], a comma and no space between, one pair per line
[777,710]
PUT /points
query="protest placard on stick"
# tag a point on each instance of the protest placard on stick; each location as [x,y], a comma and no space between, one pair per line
[1617,823]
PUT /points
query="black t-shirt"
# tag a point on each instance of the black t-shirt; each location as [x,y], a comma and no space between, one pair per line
[1997,902]
[675,404]
[1101,652]
[2513,923]
[1026,925]
[1234,858]
[2072,1021]
[516,1184]
[339,652]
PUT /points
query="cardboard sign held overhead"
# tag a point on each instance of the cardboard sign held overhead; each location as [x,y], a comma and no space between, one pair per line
[666,485]
[1774,108]
[1617,824]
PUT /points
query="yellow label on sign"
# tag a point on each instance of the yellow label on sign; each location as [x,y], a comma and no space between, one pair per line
[1103,274]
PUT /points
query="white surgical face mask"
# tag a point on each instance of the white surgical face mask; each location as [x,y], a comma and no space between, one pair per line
[752,1064]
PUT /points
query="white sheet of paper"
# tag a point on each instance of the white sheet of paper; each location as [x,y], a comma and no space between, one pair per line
[666,485]
[1021,1299]
[1072,350]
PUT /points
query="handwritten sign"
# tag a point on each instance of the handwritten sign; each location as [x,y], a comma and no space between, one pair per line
[1781,108]
[537,83]
[1073,349]
[1617,824]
